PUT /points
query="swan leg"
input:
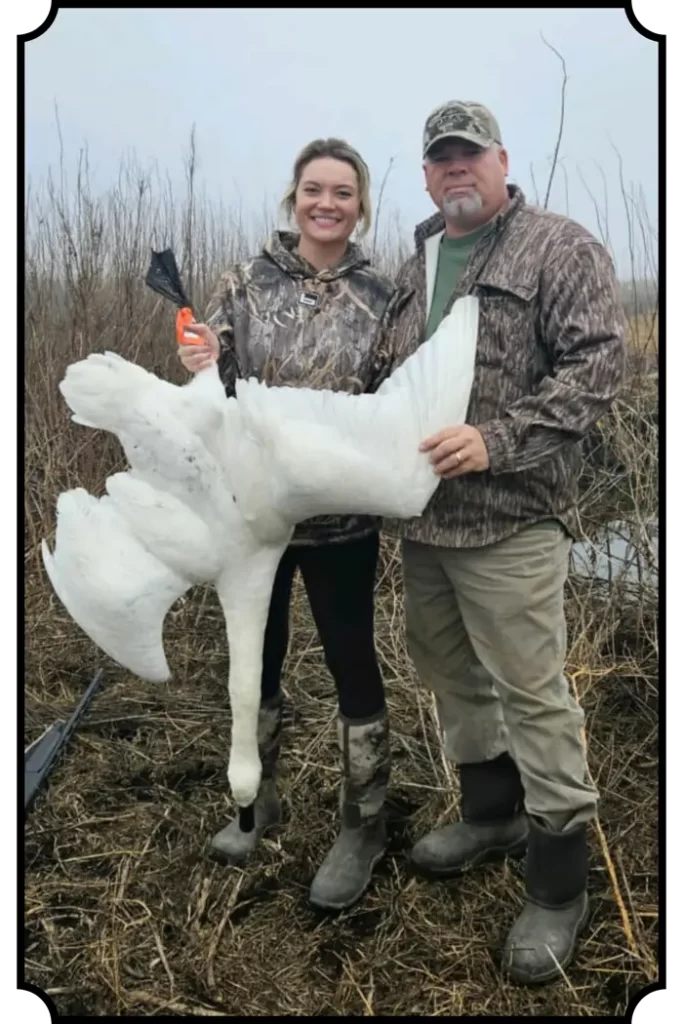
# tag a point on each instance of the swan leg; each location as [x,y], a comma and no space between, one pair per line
[247,820]
[245,595]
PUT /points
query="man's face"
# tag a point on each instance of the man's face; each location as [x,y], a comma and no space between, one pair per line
[466,182]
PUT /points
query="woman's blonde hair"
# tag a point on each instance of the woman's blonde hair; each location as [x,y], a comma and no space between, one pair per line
[338,149]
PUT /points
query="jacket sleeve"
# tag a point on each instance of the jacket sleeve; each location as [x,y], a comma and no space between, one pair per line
[219,316]
[583,324]
[383,353]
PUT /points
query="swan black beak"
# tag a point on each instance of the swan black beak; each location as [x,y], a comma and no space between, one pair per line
[246,818]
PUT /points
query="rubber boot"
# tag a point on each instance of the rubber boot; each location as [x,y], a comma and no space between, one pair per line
[542,940]
[346,871]
[231,845]
[493,824]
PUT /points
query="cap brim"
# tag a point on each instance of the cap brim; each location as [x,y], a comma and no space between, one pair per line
[476,140]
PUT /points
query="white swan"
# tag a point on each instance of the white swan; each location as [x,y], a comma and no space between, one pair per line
[216,487]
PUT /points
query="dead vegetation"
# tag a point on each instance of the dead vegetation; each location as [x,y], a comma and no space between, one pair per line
[124,913]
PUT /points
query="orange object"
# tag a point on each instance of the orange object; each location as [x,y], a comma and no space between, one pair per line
[183,319]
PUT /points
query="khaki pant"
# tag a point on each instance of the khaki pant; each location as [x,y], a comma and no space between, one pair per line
[486,632]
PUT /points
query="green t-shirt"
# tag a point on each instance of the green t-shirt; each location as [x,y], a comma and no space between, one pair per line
[453,255]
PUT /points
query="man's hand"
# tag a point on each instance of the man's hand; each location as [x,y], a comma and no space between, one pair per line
[456,451]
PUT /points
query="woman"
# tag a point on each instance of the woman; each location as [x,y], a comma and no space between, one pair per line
[310,311]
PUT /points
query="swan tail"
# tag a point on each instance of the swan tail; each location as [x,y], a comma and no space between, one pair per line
[111,586]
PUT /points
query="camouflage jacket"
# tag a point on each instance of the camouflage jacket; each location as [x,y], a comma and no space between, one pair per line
[280,320]
[550,360]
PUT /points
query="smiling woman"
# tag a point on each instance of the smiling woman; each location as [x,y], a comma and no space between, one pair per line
[328,195]
[310,311]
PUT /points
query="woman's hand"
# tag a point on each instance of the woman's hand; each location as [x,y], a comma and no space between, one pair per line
[198,357]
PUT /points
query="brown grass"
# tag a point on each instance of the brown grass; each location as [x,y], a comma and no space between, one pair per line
[125,915]
[643,333]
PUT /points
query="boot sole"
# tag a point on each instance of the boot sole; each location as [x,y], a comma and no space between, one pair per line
[520,978]
[492,855]
[326,905]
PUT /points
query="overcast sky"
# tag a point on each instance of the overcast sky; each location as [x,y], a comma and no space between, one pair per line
[261,83]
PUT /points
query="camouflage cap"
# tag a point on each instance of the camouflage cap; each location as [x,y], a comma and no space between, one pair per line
[461,120]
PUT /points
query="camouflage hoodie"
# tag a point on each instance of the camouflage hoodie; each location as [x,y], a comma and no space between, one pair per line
[550,361]
[282,321]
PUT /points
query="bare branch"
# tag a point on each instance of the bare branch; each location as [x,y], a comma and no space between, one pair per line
[533,182]
[379,205]
[561,128]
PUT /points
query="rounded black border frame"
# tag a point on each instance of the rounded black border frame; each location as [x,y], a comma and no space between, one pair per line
[22,37]
[654,37]
[645,1001]
[29,989]
[51,15]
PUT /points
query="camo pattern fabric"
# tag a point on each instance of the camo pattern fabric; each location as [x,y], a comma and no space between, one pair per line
[550,361]
[284,322]
[465,120]
[269,734]
[366,756]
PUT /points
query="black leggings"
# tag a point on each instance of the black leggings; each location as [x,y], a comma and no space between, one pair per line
[339,581]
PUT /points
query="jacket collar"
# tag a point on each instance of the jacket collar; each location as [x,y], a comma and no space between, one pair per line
[281,249]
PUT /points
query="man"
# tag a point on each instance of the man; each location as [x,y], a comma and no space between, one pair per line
[485,565]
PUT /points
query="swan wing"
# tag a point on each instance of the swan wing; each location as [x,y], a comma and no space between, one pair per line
[168,528]
[331,452]
[111,585]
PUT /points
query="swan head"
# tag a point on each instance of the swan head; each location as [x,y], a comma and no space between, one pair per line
[244,778]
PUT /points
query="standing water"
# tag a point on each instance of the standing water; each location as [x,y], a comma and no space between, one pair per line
[622,551]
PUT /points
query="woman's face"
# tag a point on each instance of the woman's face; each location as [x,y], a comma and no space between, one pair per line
[327,200]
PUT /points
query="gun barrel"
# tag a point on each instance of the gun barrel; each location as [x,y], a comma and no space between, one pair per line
[41,756]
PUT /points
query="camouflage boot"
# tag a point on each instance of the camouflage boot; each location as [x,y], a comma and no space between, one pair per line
[346,872]
[493,823]
[231,845]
